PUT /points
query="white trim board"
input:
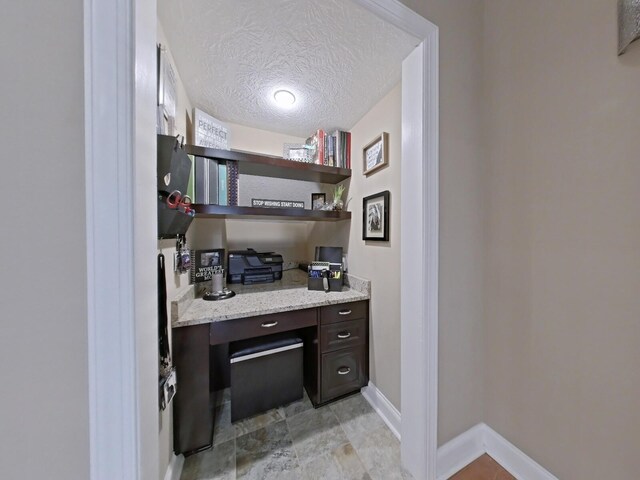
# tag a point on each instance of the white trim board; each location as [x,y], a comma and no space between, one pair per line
[419,245]
[456,454]
[113,385]
[174,470]
[383,407]
[419,236]
[120,97]
[398,14]
[119,45]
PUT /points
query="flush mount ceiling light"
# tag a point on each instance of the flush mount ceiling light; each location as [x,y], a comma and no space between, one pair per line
[284,98]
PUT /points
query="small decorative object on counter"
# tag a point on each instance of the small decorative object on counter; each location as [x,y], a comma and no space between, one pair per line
[325,272]
[204,263]
[217,290]
[325,276]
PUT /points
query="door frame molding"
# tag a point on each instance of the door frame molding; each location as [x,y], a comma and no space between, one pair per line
[118,39]
[108,47]
[419,239]
[120,148]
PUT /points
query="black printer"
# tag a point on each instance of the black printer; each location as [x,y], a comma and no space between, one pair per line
[249,267]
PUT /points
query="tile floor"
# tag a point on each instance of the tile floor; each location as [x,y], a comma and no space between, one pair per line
[483,468]
[344,440]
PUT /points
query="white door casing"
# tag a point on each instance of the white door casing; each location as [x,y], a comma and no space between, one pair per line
[120,151]
[419,239]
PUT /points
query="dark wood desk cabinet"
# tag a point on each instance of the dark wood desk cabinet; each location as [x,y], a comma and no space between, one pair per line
[336,361]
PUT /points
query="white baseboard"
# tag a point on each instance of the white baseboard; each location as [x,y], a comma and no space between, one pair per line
[460,452]
[383,407]
[465,448]
[174,470]
[513,459]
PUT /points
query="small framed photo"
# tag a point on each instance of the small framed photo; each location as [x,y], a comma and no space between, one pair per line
[318,200]
[298,152]
[375,154]
[375,217]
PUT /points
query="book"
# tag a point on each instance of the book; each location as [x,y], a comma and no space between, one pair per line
[336,136]
[232,182]
[222,183]
[204,263]
[205,187]
[331,150]
[320,159]
[316,147]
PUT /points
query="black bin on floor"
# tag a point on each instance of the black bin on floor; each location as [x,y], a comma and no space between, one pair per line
[266,372]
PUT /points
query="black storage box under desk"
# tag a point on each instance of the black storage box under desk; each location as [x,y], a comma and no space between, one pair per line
[266,373]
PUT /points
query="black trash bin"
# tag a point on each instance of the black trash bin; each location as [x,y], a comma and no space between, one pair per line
[266,372]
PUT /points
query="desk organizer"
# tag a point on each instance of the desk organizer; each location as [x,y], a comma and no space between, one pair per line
[335,280]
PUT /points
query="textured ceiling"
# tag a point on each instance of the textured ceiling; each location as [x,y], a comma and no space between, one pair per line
[337,58]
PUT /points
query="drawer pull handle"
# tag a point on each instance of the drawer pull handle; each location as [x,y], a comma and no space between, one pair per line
[344,335]
[344,312]
[269,324]
[343,370]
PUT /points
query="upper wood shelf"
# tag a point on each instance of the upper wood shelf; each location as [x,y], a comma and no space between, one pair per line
[271,166]
[225,211]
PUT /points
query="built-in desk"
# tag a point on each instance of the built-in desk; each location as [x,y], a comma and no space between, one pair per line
[334,327]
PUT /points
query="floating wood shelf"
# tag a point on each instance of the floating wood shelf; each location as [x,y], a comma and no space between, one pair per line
[271,166]
[223,211]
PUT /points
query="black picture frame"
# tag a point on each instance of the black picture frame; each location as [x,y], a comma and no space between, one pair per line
[318,200]
[375,217]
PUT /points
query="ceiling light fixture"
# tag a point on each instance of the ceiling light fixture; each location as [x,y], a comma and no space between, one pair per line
[284,98]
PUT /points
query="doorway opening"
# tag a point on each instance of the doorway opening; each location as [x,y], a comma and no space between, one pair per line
[124,441]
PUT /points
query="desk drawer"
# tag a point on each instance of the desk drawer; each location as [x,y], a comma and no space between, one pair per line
[242,328]
[343,334]
[342,312]
[343,372]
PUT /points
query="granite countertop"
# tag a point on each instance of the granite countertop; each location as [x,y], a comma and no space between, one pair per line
[284,295]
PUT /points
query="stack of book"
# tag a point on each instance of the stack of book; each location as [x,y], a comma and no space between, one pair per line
[331,149]
[215,182]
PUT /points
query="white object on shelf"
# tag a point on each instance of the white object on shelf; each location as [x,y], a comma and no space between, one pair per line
[209,131]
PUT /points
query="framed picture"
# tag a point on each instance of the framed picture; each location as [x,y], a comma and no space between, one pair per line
[318,200]
[375,217]
[375,154]
[167,96]
[298,152]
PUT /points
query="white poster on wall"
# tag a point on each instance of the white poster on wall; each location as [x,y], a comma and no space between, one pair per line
[209,132]
[167,94]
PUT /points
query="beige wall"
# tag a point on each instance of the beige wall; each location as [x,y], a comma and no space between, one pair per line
[44,405]
[462,213]
[376,261]
[252,139]
[285,237]
[563,261]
